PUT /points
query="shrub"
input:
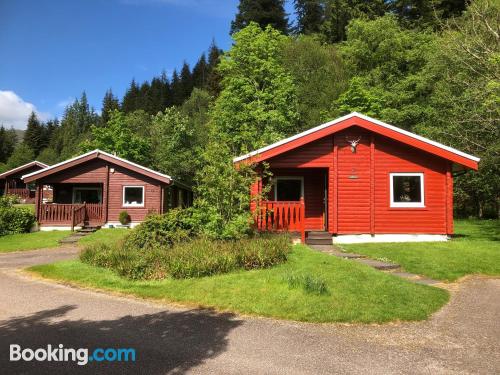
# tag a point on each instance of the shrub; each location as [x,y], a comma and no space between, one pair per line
[124,218]
[161,230]
[196,258]
[14,219]
[310,284]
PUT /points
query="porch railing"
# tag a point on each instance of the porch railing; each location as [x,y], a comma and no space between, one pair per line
[276,216]
[69,214]
[21,193]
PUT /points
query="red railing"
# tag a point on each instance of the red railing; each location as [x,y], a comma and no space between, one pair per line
[94,211]
[77,215]
[70,214]
[276,216]
[21,193]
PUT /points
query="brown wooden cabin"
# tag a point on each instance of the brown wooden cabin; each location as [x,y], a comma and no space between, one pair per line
[93,189]
[11,182]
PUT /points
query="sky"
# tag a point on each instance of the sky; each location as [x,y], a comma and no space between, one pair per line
[53,50]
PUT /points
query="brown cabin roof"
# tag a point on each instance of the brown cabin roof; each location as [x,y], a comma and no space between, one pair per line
[98,154]
[22,168]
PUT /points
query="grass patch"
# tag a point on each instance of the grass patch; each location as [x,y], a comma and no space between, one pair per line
[107,236]
[31,241]
[29,206]
[356,293]
[475,249]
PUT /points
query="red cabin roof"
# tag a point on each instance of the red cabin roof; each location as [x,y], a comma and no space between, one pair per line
[371,124]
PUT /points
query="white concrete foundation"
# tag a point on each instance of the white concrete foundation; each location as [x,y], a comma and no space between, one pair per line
[377,238]
[47,228]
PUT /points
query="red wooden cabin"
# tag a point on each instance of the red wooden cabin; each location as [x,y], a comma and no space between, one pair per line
[11,181]
[360,179]
[95,187]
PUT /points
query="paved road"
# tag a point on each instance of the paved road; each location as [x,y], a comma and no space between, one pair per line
[462,338]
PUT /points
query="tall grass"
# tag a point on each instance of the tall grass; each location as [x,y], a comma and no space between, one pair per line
[196,258]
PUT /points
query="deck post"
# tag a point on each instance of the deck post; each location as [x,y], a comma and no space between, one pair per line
[73,218]
[302,221]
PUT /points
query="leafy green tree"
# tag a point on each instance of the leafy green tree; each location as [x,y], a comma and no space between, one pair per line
[310,16]
[22,154]
[319,75]
[388,65]
[48,156]
[119,138]
[258,103]
[262,12]
[109,104]
[465,102]
[8,140]
[173,140]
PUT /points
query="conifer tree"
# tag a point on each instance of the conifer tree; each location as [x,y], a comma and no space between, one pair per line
[8,141]
[214,78]
[176,87]
[186,82]
[130,98]
[310,15]
[33,137]
[263,12]
[109,104]
[200,72]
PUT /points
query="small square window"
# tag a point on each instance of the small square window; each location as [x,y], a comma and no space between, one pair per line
[407,189]
[133,196]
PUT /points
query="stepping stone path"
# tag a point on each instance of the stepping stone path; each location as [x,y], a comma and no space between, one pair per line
[75,236]
[320,243]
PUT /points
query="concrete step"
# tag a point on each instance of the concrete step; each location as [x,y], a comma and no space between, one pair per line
[319,235]
[378,264]
[70,239]
[87,230]
[319,241]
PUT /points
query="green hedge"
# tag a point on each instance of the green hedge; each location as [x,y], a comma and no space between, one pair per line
[14,219]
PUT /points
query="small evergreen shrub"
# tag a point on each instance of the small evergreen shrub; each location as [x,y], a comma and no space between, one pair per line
[124,218]
[14,219]
[161,230]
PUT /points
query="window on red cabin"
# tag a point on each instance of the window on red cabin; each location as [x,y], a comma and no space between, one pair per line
[407,189]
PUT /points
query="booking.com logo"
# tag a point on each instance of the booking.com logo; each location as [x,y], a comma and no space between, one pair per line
[80,356]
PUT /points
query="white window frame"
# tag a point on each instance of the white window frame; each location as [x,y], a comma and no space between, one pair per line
[407,204]
[132,204]
[296,178]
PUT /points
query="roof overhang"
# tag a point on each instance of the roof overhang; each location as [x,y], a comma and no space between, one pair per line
[97,154]
[371,124]
[23,167]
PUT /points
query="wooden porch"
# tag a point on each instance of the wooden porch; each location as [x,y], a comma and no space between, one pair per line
[73,215]
[281,216]
[26,195]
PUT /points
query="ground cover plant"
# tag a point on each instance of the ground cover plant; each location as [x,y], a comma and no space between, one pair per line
[474,249]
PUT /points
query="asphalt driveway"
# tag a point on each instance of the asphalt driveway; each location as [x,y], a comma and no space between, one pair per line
[463,338]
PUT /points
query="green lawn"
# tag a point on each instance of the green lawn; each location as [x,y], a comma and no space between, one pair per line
[355,292]
[30,206]
[105,235]
[31,241]
[475,249]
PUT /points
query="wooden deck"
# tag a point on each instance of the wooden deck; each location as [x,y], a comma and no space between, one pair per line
[70,214]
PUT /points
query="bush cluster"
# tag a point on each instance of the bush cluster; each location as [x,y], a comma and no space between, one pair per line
[195,258]
[161,230]
[14,219]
